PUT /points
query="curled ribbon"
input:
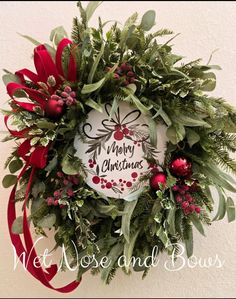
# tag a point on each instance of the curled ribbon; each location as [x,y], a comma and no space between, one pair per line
[35,157]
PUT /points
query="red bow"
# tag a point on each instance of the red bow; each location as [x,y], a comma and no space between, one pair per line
[36,158]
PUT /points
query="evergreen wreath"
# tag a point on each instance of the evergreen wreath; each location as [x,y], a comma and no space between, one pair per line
[94,69]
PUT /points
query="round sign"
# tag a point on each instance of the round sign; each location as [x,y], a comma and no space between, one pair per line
[114,150]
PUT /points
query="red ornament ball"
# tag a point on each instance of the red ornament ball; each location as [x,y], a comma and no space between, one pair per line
[157,179]
[181,167]
[53,109]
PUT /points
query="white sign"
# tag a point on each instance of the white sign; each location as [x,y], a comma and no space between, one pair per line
[114,150]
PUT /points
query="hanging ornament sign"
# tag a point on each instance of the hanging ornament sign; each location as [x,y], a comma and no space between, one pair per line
[114,150]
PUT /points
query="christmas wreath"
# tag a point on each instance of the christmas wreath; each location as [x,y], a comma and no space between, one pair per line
[100,205]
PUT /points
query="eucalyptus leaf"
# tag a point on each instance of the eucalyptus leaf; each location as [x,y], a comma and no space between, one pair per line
[8,78]
[222,206]
[114,108]
[128,249]
[192,137]
[17,226]
[191,121]
[38,187]
[139,105]
[112,256]
[197,223]
[15,165]
[230,209]
[88,88]
[189,243]
[125,223]
[9,180]
[31,39]
[47,221]
[91,103]
[52,164]
[175,133]
[57,34]
[148,20]
[91,7]
[95,64]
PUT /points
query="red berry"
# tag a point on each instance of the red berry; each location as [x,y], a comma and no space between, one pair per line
[198,210]
[179,198]
[64,94]
[125,83]
[120,180]
[175,188]
[122,189]
[118,135]
[60,102]
[50,201]
[125,67]
[108,185]
[55,97]
[75,181]
[73,94]
[70,192]
[103,186]
[67,89]
[185,204]
[91,165]
[132,80]
[57,193]
[134,175]
[185,187]
[60,174]
[65,182]
[188,197]
[56,202]
[125,131]
[130,74]
[116,76]
[128,184]
[131,133]
[96,179]
[90,161]
[192,208]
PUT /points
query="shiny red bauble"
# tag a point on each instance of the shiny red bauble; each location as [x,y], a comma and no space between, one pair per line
[157,180]
[181,167]
[53,109]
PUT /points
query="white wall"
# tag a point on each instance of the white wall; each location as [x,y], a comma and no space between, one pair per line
[204,27]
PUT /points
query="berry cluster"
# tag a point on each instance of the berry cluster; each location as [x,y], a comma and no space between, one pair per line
[66,182]
[184,198]
[124,73]
[92,163]
[121,131]
[105,184]
[68,97]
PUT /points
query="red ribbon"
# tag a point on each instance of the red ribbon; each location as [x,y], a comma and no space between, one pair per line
[29,250]
[36,157]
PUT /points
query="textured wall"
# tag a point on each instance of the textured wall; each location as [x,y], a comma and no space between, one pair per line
[204,27]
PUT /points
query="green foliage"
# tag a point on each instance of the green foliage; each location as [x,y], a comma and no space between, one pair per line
[171,91]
